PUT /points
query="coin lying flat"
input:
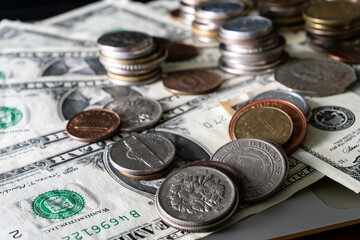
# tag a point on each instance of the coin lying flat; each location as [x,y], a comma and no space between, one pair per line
[192,82]
[196,199]
[142,154]
[93,125]
[262,166]
[180,52]
[346,54]
[137,113]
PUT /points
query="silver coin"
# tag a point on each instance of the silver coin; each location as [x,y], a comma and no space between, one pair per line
[315,77]
[136,113]
[131,54]
[289,96]
[206,27]
[223,9]
[135,83]
[128,72]
[124,41]
[142,154]
[263,166]
[196,198]
[187,9]
[245,28]
[263,48]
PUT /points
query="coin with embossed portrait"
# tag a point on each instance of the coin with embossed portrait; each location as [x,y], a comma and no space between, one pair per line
[196,199]
[137,113]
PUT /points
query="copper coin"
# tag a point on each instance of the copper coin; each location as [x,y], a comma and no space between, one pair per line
[180,52]
[175,14]
[297,117]
[346,54]
[93,125]
[192,82]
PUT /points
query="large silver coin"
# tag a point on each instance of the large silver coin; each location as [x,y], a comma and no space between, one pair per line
[142,154]
[289,96]
[245,28]
[136,113]
[262,166]
[196,198]
[223,9]
[315,77]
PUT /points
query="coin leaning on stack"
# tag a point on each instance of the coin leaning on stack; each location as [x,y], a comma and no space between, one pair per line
[250,45]
[332,23]
[210,16]
[131,58]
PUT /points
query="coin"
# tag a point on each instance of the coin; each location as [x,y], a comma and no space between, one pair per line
[196,199]
[137,113]
[153,176]
[297,117]
[192,82]
[142,154]
[265,123]
[180,51]
[315,77]
[220,10]
[116,80]
[346,54]
[93,125]
[261,165]
[133,78]
[175,14]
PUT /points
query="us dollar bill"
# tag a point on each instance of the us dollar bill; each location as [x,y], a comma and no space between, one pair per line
[106,16]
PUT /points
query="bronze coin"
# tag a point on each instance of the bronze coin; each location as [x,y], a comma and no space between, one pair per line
[180,51]
[297,117]
[346,54]
[192,82]
[93,125]
[175,14]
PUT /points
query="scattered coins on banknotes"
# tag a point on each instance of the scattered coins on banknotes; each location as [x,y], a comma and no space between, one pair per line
[297,117]
[93,125]
[131,58]
[192,82]
[209,17]
[283,12]
[289,96]
[196,199]
[250,45]
[332,23]
[143,156]
[261,165]
[180,51]
[136,113]
[346,54]
[315,77]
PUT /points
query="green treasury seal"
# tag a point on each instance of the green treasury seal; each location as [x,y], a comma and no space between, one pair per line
[58,204]
[9,117]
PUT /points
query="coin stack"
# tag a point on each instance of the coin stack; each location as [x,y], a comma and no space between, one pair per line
[283,12]
[210,16]
[250,45]
[332,23]
[131,58]
[188,9]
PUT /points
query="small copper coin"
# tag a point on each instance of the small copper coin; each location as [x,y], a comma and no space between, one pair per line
[180,51]
[175,14]
[346,54]
[93,125]
[297,117]
[192,82]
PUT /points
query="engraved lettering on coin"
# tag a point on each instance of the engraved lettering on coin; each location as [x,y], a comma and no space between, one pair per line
[332,118]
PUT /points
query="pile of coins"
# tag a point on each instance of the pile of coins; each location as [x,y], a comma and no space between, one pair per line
[250,45]
[210,16]
[131,58]
[283,12]
[332,23]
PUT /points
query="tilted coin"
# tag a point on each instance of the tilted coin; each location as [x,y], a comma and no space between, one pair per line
[192,82]
[262,166]
[93,125]
[315,77]
[196,199]
[137,113]
[266,123]
[346,54]
[142,154]
[180,51]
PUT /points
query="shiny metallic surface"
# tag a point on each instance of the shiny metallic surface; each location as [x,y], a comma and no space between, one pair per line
[222,9]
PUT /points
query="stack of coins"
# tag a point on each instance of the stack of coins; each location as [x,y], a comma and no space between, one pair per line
[332,23]
[283,12]
[187,10]
[250,45]
[143,156]
[131,58]
[210,16]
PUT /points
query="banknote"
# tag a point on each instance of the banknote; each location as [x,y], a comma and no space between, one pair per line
[106,16]
[15,35]
[164,6]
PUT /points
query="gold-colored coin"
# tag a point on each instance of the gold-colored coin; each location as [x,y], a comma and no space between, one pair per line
[267,123]
[133,78]
[332,13]
[333,28]
[287,20]
[205,33]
